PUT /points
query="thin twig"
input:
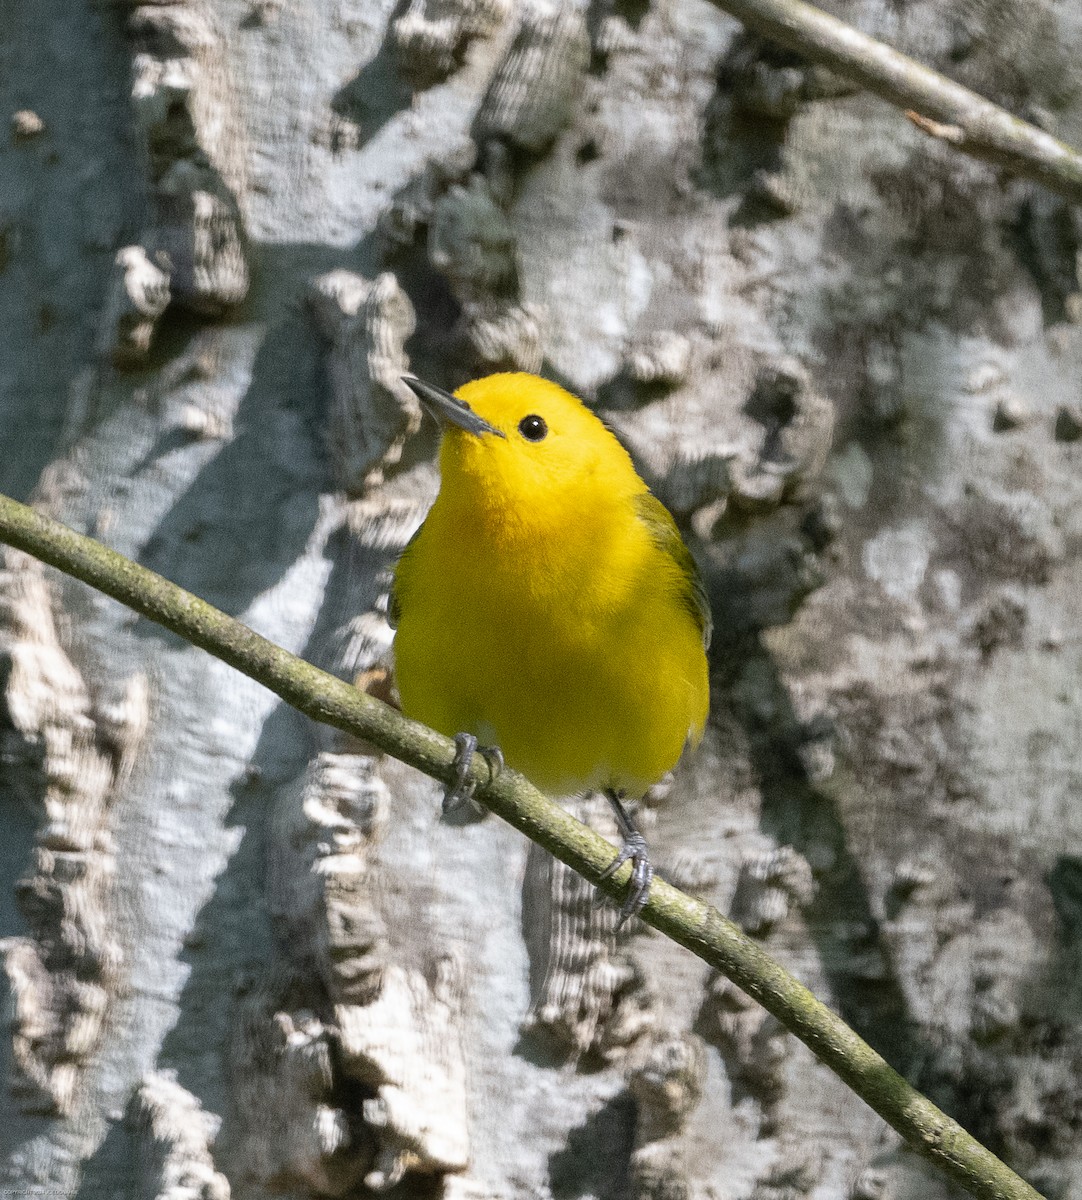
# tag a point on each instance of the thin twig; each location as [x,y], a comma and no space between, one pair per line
[702,929]
[979,127]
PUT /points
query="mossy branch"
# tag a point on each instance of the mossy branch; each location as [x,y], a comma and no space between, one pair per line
[702,929]
[933,102]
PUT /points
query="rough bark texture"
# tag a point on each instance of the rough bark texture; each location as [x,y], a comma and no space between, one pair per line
[242,956]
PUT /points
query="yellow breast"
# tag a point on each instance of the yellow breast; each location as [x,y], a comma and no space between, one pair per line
[567,645]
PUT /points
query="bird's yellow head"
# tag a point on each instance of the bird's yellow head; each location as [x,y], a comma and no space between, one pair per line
[515,441]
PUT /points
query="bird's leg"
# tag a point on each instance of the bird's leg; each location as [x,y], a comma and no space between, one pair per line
[634,848]
[459,791]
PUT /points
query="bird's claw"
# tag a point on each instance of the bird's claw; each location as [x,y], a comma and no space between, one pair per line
[642,875]
[492,755]
[459,792]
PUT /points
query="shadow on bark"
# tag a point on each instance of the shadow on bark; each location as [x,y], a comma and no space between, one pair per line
[247,515]
[795,813]
[584,1167]
[377,92]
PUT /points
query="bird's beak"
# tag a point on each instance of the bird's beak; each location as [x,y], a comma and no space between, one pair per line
[447,408]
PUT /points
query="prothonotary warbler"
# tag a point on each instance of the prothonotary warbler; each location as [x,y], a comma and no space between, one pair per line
[548,607]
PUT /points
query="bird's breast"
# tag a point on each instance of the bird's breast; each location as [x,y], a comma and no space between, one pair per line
[560,641]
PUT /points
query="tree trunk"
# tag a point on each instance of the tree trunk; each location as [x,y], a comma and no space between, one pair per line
[244,956]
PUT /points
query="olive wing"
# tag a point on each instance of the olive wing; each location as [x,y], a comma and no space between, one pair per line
[692,592]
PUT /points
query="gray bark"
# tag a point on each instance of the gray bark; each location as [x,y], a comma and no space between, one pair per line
[243,957]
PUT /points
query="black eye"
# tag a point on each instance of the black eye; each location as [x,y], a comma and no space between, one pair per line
[533,427]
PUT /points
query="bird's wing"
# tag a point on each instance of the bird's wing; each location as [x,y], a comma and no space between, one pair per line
[394,606]
[658,520]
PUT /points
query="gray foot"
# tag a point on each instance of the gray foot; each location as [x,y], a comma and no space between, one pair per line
[633,849]
[459,792]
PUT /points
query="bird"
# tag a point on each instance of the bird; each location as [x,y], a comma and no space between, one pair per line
[547,610]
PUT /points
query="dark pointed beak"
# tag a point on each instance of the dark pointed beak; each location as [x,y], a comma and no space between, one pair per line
[447,408]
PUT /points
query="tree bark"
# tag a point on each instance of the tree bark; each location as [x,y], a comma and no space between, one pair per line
[242,954]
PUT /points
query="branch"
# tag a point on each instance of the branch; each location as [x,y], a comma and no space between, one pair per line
[932,101]
[702,929]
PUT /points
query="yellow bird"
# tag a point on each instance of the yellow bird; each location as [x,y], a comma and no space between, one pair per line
[548,606]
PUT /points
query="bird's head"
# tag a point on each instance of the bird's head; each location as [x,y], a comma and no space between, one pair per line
[517,441]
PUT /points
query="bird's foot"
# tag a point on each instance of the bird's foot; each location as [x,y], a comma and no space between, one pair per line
[633,849]
[459,792]
[642,875]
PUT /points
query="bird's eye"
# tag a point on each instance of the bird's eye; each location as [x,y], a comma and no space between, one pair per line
[533,427]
